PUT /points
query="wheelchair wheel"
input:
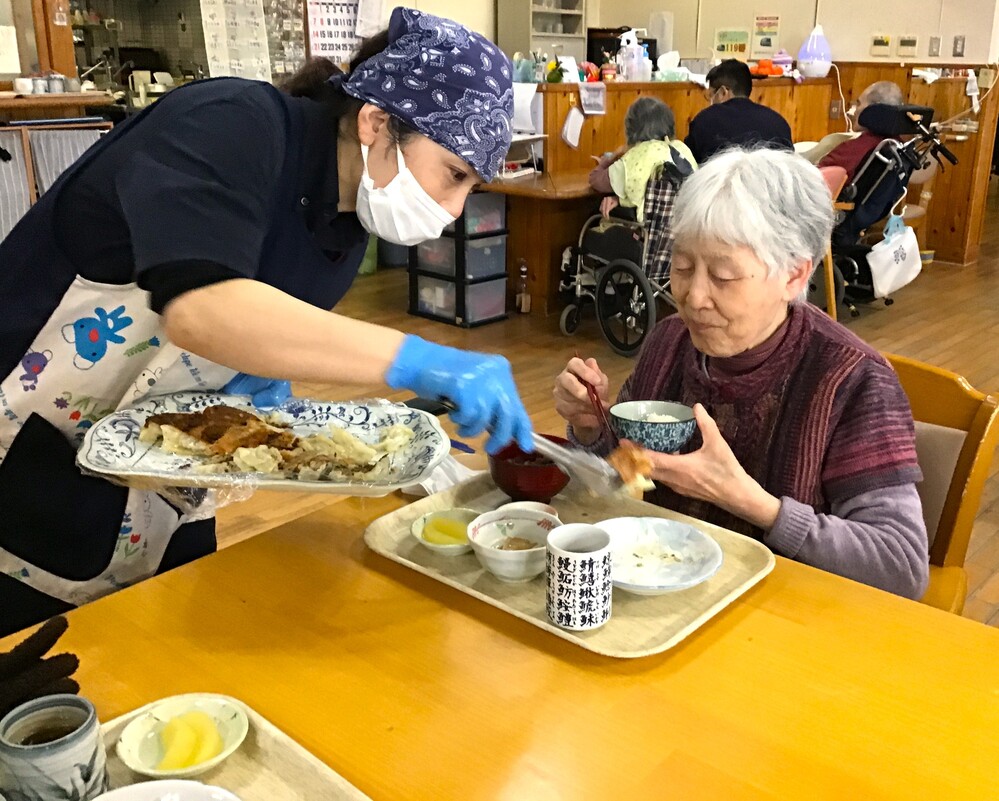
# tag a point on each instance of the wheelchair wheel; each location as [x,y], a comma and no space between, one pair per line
[568,323]
[626,306]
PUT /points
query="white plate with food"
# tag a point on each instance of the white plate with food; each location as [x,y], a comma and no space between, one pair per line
[210,440]
[652,555]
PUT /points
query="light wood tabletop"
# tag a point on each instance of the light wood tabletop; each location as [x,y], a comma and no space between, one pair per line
[809,686]
[545,186]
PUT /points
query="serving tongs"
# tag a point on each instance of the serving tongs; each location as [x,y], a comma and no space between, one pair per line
[588,469]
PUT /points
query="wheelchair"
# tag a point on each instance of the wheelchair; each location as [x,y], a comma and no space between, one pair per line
[878,187]
[621,266]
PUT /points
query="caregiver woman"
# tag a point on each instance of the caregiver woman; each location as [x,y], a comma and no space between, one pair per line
[210,236]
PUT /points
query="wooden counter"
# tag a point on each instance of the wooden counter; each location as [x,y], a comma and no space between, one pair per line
[54,106]
[808,687]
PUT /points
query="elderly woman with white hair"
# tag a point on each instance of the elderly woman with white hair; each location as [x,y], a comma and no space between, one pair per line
[805,439]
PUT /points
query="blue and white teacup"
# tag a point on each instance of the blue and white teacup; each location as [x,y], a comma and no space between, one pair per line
[51,749]
[579,577]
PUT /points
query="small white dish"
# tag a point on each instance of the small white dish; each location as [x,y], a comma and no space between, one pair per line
[140,748]
[643,551]
[487,532]
[466,516]
[169,790]
[534,506]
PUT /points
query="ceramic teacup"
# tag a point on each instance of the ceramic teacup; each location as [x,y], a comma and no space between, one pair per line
[51,749]
[580,588]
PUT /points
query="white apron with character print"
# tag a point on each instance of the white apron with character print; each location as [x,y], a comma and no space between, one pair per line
[103,349]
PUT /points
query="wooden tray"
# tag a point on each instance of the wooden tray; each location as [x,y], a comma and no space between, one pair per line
[268,766]
[639,625]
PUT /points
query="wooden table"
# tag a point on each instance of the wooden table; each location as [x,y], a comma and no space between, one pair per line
[544,216]
[809,687]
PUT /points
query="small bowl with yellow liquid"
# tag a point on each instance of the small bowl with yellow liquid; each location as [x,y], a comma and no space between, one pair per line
[445,532]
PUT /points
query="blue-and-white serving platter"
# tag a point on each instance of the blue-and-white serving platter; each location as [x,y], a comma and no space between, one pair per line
[112,447]
[636,543]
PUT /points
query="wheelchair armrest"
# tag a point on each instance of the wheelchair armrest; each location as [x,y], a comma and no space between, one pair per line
[848,194]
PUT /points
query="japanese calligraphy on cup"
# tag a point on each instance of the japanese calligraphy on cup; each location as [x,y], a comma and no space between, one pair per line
[579,577]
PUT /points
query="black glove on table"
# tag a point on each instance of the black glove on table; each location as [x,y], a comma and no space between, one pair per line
[26,673]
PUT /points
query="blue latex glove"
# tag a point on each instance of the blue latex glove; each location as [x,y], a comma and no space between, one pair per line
[265,392]
[480,385]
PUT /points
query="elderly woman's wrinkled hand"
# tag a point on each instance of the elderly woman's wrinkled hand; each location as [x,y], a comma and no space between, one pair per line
[608,204]
[572,401]
[713,474]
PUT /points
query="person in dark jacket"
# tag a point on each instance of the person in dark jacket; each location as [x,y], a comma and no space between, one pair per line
[733,119]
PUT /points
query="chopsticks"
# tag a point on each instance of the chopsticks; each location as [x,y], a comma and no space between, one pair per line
[598,407]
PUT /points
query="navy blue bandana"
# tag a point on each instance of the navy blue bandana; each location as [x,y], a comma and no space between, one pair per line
[449,83]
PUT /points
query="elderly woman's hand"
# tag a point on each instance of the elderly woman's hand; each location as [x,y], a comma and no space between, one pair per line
[713,474]
[608,204]
[572,401]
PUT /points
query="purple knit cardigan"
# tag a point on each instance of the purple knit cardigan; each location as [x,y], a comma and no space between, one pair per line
[820,421]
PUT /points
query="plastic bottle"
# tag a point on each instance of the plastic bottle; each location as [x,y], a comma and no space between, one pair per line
[630,57]
[523,299]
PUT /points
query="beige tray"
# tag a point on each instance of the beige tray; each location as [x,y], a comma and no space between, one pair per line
[639,625]
[268,766]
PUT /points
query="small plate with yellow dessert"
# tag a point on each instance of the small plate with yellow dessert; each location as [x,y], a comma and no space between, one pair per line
[445,532]
[183,736]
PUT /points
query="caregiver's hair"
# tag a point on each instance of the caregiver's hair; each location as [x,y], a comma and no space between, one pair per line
[647,120]
[771,201]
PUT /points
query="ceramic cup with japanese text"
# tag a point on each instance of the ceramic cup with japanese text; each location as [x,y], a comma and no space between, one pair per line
[579,577]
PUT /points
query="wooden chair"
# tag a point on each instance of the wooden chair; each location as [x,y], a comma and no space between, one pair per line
[957,428]
[835,178]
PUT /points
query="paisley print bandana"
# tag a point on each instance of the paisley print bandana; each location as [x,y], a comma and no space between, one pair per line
[449,83]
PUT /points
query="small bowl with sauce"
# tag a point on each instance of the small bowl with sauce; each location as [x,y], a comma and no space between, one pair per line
[510,543]
[445,532]
[528,476]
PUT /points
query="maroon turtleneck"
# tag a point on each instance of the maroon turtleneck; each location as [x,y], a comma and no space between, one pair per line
[731,366]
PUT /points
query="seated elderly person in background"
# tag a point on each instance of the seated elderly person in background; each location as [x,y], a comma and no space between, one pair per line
[732,117]
[649,128]
[806,439]
[850,155]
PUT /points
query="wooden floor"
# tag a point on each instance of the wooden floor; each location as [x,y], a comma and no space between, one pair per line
[949,317]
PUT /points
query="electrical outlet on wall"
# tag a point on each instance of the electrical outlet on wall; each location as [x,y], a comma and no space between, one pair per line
[934,46]
[958,47]
[835,109]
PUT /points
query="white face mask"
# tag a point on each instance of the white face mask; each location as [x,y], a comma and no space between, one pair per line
[402,211]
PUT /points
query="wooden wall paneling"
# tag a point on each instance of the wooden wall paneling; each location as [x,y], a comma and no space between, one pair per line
[61,52]
[811,111]
[988,120]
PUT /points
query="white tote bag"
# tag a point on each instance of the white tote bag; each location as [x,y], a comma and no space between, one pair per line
[894,261]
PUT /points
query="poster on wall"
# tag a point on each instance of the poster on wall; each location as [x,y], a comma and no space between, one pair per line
[10,61]
[285,37]
[732,43]
[766,35]
[333,30]
[236,39]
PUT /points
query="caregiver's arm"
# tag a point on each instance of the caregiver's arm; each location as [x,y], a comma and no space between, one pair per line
[254,328]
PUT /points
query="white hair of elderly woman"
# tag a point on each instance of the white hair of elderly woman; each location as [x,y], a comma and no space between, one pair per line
[771,201]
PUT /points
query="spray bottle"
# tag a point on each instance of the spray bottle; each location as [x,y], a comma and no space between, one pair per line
[629,57]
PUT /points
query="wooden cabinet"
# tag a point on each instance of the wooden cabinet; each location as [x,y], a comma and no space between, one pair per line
[541,25]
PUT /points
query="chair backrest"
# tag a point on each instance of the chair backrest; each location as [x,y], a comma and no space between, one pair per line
[957,428]
[16,182]
[835,178]
[53,151]
[922,179]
